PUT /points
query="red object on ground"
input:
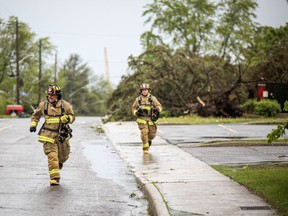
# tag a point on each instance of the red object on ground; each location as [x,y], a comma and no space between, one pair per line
[17,109]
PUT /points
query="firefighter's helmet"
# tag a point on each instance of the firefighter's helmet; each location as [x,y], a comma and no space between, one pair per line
[54,89]
[145,86]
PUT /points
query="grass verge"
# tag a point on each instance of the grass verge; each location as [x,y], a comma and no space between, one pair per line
[269,181]
[194,119]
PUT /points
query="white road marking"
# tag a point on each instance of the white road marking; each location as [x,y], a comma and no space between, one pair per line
[4,128]
[233,131]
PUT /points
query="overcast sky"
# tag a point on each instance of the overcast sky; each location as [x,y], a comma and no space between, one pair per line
[86,27]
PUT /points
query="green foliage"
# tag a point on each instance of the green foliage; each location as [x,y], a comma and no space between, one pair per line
[275,134]
[235,28]
[121,101]
[3,103]
[188,55]
[249,106]
[186,23]
[269,54]
[177,78]
[224,28]
[28,62]
[268,108]
[267,181]
[86,93]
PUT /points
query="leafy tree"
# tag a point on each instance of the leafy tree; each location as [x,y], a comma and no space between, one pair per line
[189,56]
[181,82]
[187,23]
[74,78]
[270,54]
[235,28]
[28,52]
[87,98]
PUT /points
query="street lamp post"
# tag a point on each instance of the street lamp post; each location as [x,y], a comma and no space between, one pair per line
[17,64]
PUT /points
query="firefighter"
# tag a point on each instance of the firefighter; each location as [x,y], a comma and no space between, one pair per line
[147,109]
[55,132]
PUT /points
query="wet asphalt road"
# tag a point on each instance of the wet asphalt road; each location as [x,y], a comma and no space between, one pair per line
[187,136]
[95,180]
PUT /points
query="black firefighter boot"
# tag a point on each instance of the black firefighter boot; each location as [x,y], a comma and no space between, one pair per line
[150,142]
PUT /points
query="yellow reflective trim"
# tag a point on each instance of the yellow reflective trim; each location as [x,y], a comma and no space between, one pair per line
[142,121]
[33,124]
[146,107]
[145,145]
[54,171]
[45,139]
[52,120]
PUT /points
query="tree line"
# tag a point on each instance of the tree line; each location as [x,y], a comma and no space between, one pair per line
[24,69]
[199,56]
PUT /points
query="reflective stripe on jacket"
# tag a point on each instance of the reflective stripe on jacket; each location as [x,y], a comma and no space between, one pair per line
[50,128]
[144,103]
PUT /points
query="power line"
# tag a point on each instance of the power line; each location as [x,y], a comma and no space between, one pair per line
[86,34]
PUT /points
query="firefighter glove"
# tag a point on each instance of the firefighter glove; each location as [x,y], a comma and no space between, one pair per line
[32,129]
[141,112]
[156,110]
[65,119]
[155,116]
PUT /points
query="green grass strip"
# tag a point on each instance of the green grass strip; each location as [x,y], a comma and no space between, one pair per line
[269,181]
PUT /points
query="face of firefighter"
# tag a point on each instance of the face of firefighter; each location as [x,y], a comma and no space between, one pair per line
[144,92]
[52,98]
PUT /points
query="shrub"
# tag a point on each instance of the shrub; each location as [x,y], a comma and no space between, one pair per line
[249,106]
[3,103]
[268,108]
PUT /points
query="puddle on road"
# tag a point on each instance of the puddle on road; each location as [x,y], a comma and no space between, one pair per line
[108,164]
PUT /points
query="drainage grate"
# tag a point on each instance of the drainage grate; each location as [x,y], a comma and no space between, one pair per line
[255,208]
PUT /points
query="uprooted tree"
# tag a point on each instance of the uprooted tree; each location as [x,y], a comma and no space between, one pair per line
[188,57]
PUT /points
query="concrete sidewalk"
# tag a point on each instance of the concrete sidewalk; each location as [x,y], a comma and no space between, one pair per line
[176,183]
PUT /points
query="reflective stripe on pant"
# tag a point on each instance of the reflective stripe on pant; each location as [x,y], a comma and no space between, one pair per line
[148,133]
[56,153]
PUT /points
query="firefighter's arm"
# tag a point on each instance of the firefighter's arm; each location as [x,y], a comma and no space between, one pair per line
[157,104]
[69,116]
[36,117]
[135,107]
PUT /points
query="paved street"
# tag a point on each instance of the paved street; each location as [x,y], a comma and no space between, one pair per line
[188,137]
[95,180]
[189,134]
[99,177]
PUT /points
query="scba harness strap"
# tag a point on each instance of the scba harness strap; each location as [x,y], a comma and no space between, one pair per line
[154,116]
[64,130]
[149,100]
[46,108]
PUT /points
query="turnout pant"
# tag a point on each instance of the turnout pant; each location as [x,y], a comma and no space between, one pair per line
[148,132]
[56,153]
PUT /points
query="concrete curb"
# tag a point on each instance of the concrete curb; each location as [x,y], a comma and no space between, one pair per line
[154,197]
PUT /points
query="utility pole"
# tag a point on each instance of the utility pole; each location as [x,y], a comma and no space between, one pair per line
[40,71]
[107,65]
[55,69]
[17,64]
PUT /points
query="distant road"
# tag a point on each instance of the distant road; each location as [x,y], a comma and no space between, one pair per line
[189,134]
